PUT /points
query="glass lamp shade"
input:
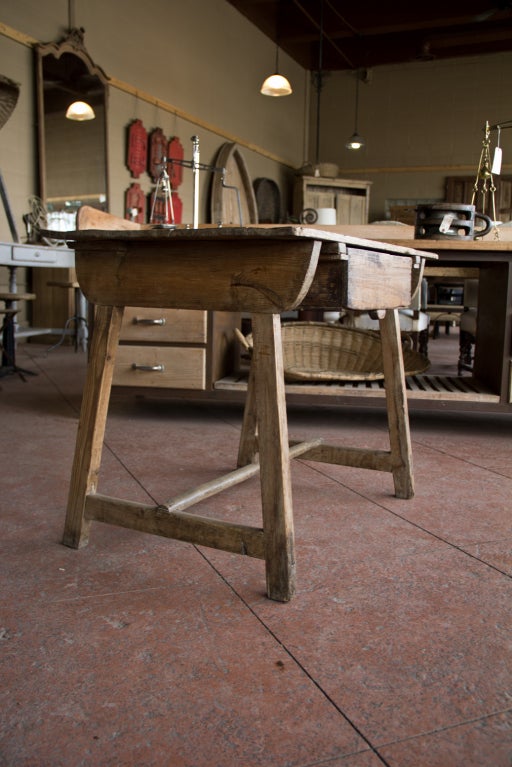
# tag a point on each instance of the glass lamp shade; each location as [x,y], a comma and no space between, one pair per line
[355,142]
[276,85]
[80,111]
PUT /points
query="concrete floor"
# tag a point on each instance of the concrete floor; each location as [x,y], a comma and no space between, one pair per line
[396,650]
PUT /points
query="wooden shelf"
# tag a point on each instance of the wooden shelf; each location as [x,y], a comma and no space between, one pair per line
[350,198]
[425,390]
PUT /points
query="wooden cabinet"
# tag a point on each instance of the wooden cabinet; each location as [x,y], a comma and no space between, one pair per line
[349,197]
[460,189]
[175,348]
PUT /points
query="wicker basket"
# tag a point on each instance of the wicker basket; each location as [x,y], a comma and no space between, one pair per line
[9,92]
[316,351]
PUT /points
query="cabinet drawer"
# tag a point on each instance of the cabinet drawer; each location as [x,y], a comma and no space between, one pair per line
[164,325]
[168,366]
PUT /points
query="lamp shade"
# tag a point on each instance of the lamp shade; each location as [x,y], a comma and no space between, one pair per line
[355,141]
[276,85]
[79,111]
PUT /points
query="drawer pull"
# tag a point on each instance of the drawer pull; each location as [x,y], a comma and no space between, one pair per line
[148,368]
[148,321]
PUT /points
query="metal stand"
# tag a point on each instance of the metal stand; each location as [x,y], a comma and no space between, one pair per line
[196,166]
[9,366]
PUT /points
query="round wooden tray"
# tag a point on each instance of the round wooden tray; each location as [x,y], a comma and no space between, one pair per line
[224,206]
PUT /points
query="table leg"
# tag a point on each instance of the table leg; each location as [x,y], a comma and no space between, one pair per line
[248,448]
[396,399]
[91,427]
[276,495]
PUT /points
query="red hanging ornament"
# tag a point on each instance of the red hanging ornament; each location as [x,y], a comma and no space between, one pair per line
[177,207]
[159,208]
[174,169]
[135,204]
[137,154]
[157,152]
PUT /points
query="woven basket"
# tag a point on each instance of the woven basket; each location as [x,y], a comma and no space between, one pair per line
[9,92]
[316,351]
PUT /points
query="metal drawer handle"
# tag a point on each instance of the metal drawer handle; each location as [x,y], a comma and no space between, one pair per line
[145,321]
[148,368]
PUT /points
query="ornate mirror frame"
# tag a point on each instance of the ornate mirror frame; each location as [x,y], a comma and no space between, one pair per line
[64,52]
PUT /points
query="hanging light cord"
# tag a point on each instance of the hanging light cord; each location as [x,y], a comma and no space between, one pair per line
[71,14]
[357,102]
[319,83]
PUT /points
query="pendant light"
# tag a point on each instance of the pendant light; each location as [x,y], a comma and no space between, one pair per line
[80,111]
[356,141]
[276,84]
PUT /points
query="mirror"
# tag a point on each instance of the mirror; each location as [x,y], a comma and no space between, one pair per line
[72,154]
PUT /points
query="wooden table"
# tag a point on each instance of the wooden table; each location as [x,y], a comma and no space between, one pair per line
[489,389]
[264,270]
[15,255]
[491,261]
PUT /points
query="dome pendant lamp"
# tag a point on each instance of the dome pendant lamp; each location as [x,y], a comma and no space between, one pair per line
[80,111]
[276,84]
[356,141]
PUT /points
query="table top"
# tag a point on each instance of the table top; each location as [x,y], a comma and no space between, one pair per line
[259,268]
[259,232]
[402,234]
[469,246]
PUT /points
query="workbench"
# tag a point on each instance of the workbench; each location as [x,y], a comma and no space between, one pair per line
[16,254]
[262,270]
[488,259]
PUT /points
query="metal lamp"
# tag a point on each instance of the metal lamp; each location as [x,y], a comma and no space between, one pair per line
[356,141]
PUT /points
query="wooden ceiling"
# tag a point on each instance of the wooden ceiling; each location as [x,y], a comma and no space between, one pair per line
[358,34]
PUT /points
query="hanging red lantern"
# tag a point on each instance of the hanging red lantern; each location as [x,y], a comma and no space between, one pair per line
[175,154]
[177,205]
[137,154]
[135,204]
[157,152]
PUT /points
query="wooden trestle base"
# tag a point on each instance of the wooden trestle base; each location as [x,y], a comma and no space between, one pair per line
[264,449]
